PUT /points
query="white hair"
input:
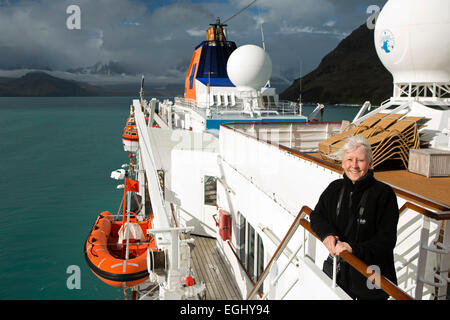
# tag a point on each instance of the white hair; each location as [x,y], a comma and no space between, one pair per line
[353,143]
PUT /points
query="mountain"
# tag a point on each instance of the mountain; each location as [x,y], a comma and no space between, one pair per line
[350,74]
[41,84]
[108,69]
[38,84]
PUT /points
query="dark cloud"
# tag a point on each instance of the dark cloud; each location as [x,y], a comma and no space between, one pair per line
[158,40]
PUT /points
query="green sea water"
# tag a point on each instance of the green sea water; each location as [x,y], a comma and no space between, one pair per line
[56,156]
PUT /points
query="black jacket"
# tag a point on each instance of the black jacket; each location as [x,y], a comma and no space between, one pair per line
[372,236]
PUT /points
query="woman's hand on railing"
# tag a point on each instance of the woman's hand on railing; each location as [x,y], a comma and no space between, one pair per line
[330,243]
[342,246]
[385,284]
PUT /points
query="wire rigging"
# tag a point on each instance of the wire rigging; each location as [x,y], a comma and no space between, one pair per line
[240,11]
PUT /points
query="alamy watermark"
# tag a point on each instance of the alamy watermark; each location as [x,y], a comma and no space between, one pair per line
[73,21]
[373,281]
[74,280]
[374,11]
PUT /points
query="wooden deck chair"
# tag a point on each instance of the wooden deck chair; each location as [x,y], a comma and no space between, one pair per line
[400,126]
[325,146]
[393,148]
[380,127]
[396,141]
[396,153]
[406,129]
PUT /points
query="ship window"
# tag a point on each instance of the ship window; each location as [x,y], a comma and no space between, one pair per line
[215,99]
[260,259]
[240,236]
[250,248]
[210,190]
[250,261]
[229,100]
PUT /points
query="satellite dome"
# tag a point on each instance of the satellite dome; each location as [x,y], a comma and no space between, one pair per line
[249,67]
[412,40]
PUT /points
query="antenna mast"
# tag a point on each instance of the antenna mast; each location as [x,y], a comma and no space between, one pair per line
[264,47]
[300,80]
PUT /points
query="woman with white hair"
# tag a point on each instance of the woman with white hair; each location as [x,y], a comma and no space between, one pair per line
[358,214]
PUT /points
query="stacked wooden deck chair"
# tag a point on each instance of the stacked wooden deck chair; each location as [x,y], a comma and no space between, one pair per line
[378,125]
[378,128]
[390,137]
[326,146]
[395,141]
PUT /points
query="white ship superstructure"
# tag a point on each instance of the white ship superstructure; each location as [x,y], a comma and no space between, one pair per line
[222,164]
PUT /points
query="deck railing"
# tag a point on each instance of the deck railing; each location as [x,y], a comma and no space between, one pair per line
[440,247]
[266,108]
[385,284]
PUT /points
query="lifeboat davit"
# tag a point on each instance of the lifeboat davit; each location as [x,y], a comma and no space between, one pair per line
[130,137]
[108,255]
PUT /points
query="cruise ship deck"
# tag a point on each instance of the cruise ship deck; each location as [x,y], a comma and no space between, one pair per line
[211,269]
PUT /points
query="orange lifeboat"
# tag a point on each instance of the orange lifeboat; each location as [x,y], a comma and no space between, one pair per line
[130,137]
[108,255]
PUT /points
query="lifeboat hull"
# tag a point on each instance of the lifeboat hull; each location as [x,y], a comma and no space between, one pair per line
[130,137]
[103,254]
[130,145]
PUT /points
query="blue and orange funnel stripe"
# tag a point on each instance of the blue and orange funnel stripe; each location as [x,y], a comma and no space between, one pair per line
[189,84]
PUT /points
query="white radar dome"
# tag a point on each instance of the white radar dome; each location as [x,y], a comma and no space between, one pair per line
[249,67]
[412,39]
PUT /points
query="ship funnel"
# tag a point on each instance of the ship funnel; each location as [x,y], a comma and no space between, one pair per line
[216,32]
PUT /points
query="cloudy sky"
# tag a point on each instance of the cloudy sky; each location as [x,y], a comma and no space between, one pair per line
[157,37]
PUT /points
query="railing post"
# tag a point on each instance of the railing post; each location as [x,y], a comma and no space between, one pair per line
[334,271]
[421,262]
[445,262]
